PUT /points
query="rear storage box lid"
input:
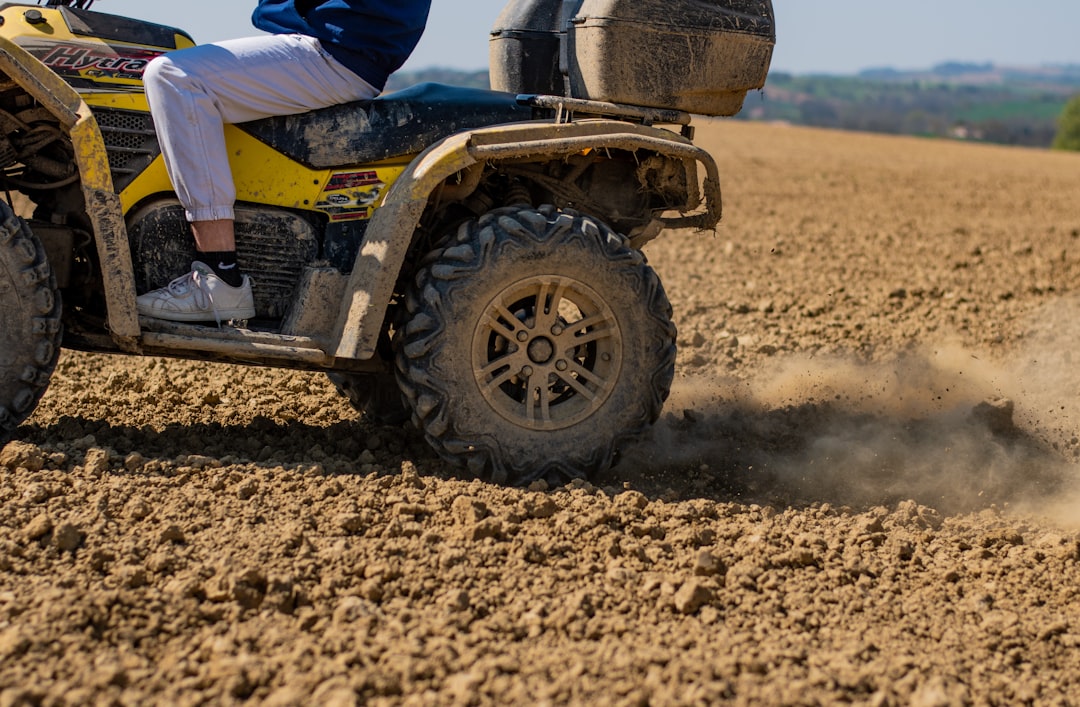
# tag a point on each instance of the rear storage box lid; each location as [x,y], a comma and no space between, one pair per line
[699,56]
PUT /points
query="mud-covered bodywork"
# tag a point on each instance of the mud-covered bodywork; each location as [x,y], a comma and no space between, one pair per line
[467,162]
[317,180]
[401,123]
[342,213]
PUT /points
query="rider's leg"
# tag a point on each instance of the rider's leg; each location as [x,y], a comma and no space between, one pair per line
[194,92]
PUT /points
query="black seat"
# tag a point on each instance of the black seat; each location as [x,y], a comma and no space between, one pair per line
[401,123]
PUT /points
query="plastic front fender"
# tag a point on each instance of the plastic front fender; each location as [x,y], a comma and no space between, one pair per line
[392,225]
[102,203]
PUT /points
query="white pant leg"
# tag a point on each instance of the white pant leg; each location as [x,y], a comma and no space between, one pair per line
[194,92]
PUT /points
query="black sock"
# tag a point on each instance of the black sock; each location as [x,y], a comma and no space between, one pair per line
[224,264]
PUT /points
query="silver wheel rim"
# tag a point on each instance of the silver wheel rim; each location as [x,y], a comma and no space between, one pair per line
[547,352]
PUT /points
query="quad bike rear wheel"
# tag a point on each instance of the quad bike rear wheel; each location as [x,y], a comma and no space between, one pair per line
[377,395]
[536,342]
[29,322]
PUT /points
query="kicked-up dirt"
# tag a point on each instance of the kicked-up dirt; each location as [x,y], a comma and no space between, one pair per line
[864,489]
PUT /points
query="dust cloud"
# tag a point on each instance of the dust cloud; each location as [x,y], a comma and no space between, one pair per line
[940,425]
[1047,390]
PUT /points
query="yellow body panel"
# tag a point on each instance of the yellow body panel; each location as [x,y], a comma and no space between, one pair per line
[119,101]
[52,27]
[108,66]
[264,176]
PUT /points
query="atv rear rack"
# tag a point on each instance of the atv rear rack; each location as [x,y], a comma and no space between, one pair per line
[567,108]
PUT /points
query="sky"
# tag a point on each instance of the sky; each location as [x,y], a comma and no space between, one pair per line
[813,36]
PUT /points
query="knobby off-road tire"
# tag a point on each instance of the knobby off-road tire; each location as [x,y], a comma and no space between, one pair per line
[536,343]
[29,322]
[376,395]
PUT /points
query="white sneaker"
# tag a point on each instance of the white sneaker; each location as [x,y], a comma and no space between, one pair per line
[199,296]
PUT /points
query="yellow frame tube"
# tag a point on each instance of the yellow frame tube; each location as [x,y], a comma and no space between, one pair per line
[102,202]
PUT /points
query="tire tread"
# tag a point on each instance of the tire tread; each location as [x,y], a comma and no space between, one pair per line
[469,253]
[35,299]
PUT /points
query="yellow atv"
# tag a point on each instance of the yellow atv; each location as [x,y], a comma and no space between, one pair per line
[467,259]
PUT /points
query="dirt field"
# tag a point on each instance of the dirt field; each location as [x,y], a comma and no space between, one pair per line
[864,489]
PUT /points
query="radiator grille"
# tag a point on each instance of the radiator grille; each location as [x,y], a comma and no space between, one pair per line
[130,142]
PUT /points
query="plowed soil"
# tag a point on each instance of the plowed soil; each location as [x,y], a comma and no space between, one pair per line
[864,488]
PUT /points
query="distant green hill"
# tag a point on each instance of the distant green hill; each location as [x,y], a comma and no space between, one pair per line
[983,102]
[1012,106]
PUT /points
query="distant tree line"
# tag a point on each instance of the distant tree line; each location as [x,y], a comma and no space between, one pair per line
[978,102]
[1068,135]
[1000,112]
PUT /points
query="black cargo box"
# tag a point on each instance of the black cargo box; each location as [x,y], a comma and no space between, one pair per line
[524,48]
[699,56]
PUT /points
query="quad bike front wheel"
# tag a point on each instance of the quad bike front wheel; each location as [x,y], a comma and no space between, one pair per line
[29,322]
[536,342]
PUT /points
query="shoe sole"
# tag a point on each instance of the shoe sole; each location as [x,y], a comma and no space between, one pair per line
[223,315]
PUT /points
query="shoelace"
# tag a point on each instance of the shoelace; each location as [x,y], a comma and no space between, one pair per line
[182,285]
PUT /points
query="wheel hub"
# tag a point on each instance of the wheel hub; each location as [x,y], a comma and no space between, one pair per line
[547,353]
[541,350]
